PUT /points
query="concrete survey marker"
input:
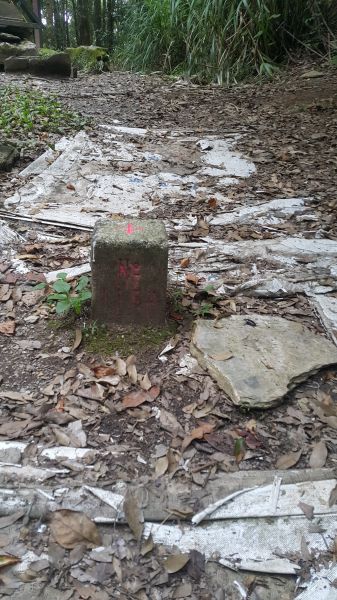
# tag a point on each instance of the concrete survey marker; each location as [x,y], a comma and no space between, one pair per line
[129,272]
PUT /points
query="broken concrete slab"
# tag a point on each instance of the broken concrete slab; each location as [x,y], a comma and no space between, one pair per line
[269,356]
[8,155]
[268,213]
[138,181]
[129,272]
[267,268]
[220,154]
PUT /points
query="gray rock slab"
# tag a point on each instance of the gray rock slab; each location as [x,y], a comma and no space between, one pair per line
[270,356]
[326,307]
[129,272]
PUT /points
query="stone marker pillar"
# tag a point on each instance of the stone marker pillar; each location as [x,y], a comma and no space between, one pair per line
[129,272]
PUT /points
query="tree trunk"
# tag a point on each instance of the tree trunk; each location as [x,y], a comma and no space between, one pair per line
[83,23]
[111,4]
[98,22]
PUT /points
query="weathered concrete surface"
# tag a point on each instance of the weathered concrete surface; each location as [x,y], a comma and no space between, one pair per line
[57,65]
[129,272]
[8,155]
[270,356]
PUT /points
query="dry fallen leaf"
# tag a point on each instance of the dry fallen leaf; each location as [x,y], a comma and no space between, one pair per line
[136,399]
[239,449]
[184,263]
[197,434]
[71,187]
[132,373]
[11,519]
[307,509]
[78,339]
[145,383]
[212,203]
[318,456]
[121,367]
[288,460]
[8,559]
[147,546]
[169,422]
[133,513]
[176,562]
[161,466]
[192,278]
[101,371]
[7,327]
[70,528]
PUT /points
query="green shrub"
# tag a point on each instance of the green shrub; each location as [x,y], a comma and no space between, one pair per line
[92,59]
[66,298]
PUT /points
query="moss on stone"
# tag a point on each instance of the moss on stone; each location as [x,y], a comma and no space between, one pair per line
[93,59]
[124,341]
[47,52]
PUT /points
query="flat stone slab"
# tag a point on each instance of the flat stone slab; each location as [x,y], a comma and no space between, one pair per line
[129,272]
[258,359]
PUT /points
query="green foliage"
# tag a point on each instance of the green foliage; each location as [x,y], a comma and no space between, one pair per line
[66,298]
[221,40]
[25,112]
[91,59]
[47,52]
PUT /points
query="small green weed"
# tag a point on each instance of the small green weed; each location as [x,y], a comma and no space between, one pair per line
[65,297]
[30,112]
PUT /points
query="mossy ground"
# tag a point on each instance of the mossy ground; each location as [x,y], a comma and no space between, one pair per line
[124,341]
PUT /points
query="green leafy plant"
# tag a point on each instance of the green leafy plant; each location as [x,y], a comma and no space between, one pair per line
[204,310]
[67,298]
[30,112]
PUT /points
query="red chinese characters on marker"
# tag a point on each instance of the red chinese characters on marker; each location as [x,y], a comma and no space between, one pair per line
[130,274]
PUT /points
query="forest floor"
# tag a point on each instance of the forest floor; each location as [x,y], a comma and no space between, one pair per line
[58,372]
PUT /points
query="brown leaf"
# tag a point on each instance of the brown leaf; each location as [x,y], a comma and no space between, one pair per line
[161,466]
[184,263]
[71,187]
[147,546]
[101,371]
[288,460]
[318,456]
[333,496]
[145,383]
[136,399]
[133,513]
[11,519]
[70,528]
[169,422]
[176,562]
[197,434]
[132,373]
[8,559]
[307,509]
[192,278]
[7,327]
[78,339]
[121,367]
[212,203]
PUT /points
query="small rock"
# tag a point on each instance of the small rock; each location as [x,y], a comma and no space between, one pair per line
[268,360]
[32,319]
[29,344]
[313,74]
